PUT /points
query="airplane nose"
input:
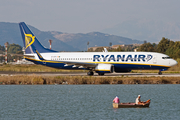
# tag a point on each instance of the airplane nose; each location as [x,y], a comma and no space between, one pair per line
[174,62]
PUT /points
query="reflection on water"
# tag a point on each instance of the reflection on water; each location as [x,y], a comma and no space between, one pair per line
[87,101]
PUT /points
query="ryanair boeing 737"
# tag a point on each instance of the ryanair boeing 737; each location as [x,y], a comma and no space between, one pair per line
[99,62]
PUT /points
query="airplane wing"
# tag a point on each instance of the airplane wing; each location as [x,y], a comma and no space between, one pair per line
[67,63]
[79,64]
[28,55]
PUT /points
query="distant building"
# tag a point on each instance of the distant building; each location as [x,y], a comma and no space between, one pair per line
[117,46]
[123,45]
[23,61]
[114,46]
[94,48]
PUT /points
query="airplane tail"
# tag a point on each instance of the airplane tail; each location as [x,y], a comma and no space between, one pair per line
[31,43]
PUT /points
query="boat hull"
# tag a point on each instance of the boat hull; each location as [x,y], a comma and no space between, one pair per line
[130,105]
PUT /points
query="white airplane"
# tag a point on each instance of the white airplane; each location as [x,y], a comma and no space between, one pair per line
[100,62]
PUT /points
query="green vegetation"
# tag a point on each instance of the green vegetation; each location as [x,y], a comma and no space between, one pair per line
[165,46]
[14,48]
[2,49]
[14,52]
[148,47]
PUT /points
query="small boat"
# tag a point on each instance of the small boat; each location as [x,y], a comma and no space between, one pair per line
[132,105]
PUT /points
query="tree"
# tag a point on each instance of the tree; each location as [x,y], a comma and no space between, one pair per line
[163,45]
[87,45]
[14,48]
[110,44]
[2,48]
[119,49]
[147,47]
[99,49]
[174,49]
[155,46]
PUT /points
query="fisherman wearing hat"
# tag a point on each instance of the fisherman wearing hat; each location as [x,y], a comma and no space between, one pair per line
[116,100]
[138,100]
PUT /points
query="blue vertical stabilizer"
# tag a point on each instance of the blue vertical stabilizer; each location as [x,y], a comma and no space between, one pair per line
[31,43]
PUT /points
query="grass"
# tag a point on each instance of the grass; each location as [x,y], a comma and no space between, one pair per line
[33,68]
[74,80]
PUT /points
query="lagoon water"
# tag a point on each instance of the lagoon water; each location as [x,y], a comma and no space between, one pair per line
[84,102]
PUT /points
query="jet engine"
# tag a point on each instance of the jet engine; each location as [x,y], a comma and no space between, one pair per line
[104,68]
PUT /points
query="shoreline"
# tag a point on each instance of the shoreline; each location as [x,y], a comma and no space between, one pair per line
[80,80]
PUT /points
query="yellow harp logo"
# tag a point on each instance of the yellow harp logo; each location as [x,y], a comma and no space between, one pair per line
[29,40]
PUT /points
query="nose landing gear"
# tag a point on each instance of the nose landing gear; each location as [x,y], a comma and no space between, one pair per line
[160,73]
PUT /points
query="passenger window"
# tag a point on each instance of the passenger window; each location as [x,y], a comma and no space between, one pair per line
[166,58]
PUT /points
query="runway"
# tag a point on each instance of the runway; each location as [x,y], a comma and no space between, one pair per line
[4,73]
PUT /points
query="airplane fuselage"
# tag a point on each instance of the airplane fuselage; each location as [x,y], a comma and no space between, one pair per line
[121,60]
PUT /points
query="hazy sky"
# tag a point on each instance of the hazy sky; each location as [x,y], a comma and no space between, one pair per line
[82,16]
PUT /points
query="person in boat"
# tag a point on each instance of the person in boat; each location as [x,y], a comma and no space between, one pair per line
[138,99]
[116,100]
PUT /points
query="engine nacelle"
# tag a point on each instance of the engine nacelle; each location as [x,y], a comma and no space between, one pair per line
[104,68]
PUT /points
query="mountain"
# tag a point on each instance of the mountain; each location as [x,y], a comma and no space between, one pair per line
[149,30]
[10,32]
[94,38]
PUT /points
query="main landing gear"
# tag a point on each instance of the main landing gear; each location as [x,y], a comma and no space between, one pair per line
[90,73]
[160,73]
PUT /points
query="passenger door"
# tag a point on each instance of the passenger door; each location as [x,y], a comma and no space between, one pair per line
[154,59]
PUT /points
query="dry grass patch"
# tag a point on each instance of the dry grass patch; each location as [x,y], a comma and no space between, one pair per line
[74,80]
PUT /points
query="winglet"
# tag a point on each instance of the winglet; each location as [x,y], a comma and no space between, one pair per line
[105,50]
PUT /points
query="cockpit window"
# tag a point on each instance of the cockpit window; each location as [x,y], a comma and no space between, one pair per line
[166,58]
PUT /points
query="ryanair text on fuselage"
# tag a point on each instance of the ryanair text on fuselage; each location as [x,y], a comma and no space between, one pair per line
[123,58]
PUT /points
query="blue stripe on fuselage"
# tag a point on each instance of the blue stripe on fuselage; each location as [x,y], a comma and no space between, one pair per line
[54,64]
[136,67]
[60,65]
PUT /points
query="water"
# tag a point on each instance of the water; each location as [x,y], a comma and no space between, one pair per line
[69,102]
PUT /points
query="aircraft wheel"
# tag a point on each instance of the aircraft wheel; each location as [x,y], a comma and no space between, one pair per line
[90,73]
[160,73]
[101,74]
